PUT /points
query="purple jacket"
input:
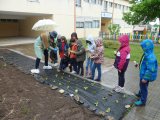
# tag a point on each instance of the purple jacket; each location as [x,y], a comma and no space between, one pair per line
[123,54]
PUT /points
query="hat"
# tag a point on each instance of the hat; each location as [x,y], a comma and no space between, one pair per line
[53,34]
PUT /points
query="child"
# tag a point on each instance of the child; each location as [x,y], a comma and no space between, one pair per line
[122,61]
[63,50]
[53,52]
[98,59]
[81,56]
[148,70]
[73,47]
[90,49]
[41,47]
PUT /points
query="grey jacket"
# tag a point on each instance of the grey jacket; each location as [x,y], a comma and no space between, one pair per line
[81,53]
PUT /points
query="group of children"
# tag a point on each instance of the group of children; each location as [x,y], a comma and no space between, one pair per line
[73,55]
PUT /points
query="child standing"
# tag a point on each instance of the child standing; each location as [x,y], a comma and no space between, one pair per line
[121,62]
[63,50]
[73,47]
[98,59]
[90,49]
[148,70]
[81,56]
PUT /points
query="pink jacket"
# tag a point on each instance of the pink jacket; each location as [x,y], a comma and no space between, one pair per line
[99,52]
[124,51]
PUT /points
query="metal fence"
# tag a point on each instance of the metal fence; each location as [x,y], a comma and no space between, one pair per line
[132,37]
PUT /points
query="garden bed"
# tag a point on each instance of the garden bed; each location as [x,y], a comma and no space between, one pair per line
[99,99]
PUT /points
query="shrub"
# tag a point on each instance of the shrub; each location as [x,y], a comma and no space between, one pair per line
[111,44]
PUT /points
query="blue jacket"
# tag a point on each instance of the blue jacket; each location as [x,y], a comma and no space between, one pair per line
[148,64]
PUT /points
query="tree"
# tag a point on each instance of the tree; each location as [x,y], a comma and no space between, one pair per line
[114,28]
[142,11]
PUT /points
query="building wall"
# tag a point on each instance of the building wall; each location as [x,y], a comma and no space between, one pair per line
[62,12]
[88,12]
[118,14]
[9,29]
[25,26]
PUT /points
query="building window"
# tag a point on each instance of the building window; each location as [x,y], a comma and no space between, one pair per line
[79,24]
[95,24]
[106,5]
[123,8]
[78,3]
[110,4]
[88,24]
[87,1]
[37,1]
[115,5]
[119,6]
[93,1]
[100,2]
[8,20]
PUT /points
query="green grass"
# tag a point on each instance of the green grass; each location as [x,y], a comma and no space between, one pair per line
[136,51]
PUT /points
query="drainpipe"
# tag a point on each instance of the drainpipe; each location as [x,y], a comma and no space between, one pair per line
[74,15]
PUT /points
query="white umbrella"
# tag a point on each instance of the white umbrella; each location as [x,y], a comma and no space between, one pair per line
[44,25]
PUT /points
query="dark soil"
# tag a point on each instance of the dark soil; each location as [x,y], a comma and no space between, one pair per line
[23,98]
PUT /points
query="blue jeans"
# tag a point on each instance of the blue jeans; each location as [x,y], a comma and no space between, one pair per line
[143,91]
[89,64]
[98,66]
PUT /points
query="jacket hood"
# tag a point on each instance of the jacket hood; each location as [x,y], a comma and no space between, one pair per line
[53,34]
[147,46]
[124,40]
[99,42]
[91,39]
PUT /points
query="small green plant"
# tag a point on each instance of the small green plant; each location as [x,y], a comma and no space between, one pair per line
[96,103]
[108,110]
[24,109]
[104,98]
[117,101]
[68,87]
[85,88]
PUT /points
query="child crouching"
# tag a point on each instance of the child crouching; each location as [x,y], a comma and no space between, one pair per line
[63,52]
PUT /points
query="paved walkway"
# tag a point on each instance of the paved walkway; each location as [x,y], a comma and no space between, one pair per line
[15,41]
[151,110]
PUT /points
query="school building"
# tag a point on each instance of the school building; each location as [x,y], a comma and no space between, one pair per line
[83,16]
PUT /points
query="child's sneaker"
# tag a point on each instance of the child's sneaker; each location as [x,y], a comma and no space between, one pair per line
[116,87]
[139,103]
[73,72]
[55,64]
[120,90]
[47,67]
[35,71]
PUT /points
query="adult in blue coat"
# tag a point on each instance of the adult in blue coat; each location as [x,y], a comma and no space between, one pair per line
[148,70]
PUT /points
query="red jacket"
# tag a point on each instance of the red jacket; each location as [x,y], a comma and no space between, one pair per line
[73,48]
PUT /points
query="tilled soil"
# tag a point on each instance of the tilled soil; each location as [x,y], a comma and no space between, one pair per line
[23,98]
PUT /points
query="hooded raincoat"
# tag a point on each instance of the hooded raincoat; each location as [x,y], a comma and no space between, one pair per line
[148,65]
[97,56]
[123,54]
[91,47]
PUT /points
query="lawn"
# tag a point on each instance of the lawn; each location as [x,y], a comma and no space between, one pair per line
[136,50]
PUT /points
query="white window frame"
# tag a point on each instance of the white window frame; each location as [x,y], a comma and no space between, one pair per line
[94,1]
[78,3]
